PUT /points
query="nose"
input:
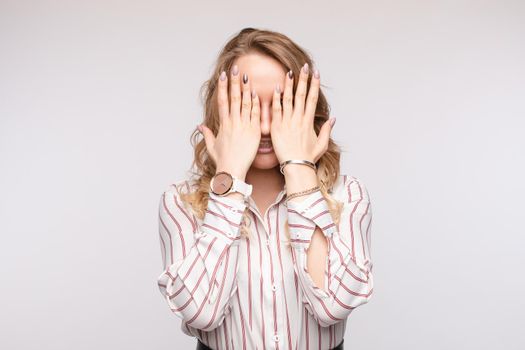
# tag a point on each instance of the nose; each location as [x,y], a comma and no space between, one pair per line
[266,119]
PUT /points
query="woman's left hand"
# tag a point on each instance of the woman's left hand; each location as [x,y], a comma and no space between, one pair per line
[292,128]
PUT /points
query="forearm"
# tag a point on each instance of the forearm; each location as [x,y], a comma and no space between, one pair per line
[198,282]
[299,178]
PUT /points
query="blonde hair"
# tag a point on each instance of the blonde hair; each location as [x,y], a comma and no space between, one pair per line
[291,56]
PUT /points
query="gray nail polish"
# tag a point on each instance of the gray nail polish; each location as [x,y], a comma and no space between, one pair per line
[245,78]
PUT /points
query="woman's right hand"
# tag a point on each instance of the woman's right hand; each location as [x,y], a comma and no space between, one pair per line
[235,146]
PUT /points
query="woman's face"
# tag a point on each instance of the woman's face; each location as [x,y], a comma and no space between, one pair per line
[264,73]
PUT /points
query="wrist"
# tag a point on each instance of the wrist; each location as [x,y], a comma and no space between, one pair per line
[299,170]
[299,178]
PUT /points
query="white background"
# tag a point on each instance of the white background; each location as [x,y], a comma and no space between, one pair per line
[97,103]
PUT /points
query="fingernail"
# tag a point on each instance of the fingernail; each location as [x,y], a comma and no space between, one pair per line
[278,88]
[235,70]
[223,75]
[199,127]
[316,73]
[253,93]
[290,74]
[305,68]
[245,78]
[332,121]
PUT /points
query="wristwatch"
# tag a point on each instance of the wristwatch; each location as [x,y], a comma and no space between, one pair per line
[224,183]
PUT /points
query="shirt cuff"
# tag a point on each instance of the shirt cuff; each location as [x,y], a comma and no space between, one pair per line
[304,216]
[223,217]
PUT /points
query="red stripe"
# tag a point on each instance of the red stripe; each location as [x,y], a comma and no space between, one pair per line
[272,280]
[219,231]
[282,280]
[249,282]
[226,268]
[361,230]
[301,226]
[209,289]
[352,214]
[226,206]
[185,214]
[242,323]
[220,216]
[261,281]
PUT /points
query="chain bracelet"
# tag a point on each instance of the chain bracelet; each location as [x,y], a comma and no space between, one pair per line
[302,193]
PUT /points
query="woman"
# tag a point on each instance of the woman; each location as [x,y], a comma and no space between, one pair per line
[258,252]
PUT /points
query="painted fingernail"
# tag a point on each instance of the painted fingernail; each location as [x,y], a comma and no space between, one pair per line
[235,70]
[316,73]
[223,75]
[332,121]
[278,88]
[305,68]
[253,94]
[245,78]
[290,74]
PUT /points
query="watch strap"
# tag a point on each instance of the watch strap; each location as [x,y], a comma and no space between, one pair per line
[242,187]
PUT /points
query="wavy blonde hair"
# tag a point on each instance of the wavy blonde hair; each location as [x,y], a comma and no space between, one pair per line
[291,56]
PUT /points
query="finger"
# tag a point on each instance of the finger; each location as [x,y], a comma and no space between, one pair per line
[246,99]
[235,94]
[300,94]
[276,105]
[256,109]
[222,98]
[324,135]
[313,95]
[288,95]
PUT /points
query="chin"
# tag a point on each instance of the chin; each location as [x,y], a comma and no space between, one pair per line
[265,161]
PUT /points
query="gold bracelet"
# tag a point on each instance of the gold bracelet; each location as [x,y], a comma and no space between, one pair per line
[302,193]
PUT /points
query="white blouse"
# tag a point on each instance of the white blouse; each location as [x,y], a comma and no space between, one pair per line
[236,293]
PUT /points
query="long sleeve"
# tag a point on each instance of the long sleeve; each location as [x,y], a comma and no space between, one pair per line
[348,269]
[199,261]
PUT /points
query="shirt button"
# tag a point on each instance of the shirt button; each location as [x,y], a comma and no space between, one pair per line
[274,287]
[267,242]
[276,337]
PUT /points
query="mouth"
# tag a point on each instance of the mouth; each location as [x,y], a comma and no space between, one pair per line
[265,146]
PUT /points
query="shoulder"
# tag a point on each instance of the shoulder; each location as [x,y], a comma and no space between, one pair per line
[349,188]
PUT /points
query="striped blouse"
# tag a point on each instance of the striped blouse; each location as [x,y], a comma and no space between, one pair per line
[237,293]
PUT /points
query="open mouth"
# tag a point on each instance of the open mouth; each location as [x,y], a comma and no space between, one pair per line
[265,146]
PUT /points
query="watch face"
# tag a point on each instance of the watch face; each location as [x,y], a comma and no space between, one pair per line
[222,182]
